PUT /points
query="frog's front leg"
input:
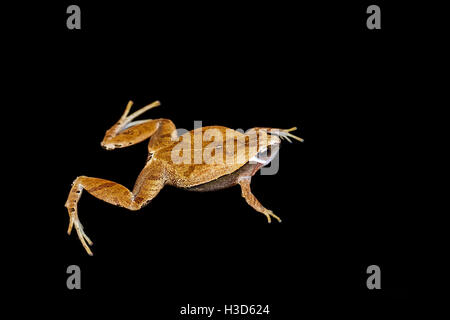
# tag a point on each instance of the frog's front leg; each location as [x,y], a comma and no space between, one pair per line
[146,188]
[253,202]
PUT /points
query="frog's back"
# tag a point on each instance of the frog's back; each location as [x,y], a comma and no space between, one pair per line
[205,154]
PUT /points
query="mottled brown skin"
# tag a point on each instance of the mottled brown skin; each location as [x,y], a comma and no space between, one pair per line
[246,171]
[161,170]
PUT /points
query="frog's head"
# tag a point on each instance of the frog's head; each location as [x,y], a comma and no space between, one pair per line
[269,140]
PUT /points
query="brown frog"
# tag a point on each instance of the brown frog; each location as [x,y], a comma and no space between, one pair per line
[225,162]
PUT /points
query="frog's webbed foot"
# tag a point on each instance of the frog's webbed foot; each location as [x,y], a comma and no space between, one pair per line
[285,134]
[282,133]
[71,206]
[253,202]
[269,214]
[127,132]
[74,221]
[125,119]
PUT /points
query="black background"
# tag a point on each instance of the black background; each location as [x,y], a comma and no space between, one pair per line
[343,194]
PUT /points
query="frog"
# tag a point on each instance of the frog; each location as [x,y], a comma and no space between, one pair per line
[162,167]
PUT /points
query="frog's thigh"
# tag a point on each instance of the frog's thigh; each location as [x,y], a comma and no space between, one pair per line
[253,202]
[164,136]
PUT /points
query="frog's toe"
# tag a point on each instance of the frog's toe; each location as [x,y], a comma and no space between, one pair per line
[274,215]
[267,214]
[83,237]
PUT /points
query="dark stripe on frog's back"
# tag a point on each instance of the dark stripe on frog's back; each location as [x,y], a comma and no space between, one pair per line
[228,180]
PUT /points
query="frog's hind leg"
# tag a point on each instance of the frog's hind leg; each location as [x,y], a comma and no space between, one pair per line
[127,132]
[253,202]
[113,193]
